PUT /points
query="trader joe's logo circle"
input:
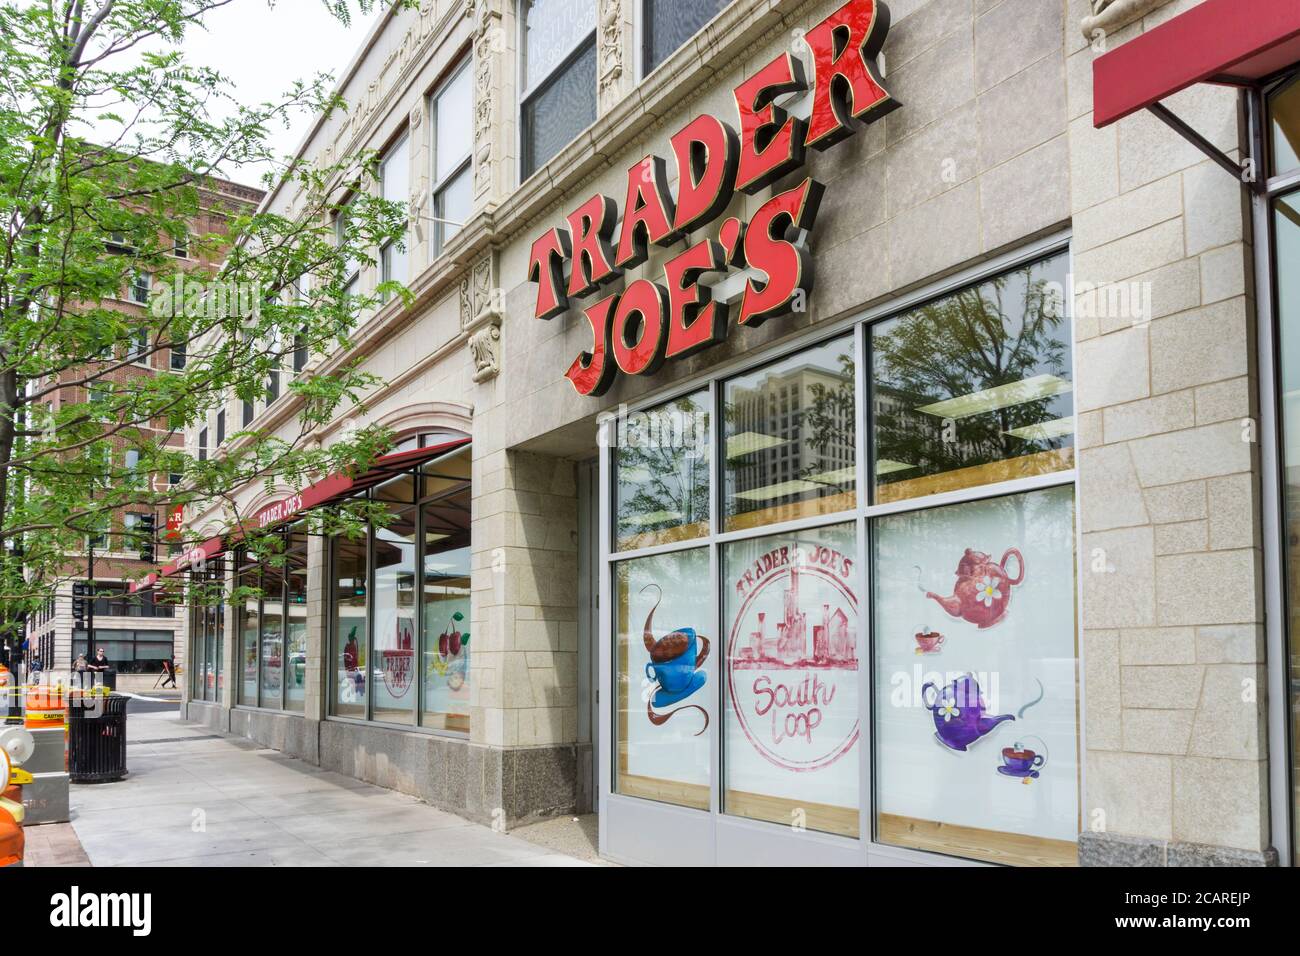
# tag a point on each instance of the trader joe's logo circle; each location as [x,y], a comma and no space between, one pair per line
[792,651]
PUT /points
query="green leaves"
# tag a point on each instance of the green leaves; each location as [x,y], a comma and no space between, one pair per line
[113,150]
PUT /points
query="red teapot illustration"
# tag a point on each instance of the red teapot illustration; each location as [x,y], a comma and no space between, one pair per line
[983,590]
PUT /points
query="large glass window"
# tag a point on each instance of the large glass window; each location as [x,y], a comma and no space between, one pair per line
[445,517]
[394,606]
[394,184]
[661,469]
[1284,121]
[131,652]
[453,131]
[974,388]
[295,623]
[248,587]
[852,614]
[976,684]
[272,637]
[559,76]
[418,647]
[350,633]
[791,727]
[790,438]
[664,654]
[667,24]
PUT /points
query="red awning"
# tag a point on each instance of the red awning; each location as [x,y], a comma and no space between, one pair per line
[1221,41]
[324,492]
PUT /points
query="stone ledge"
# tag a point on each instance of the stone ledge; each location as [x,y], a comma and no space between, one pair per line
[1111,849]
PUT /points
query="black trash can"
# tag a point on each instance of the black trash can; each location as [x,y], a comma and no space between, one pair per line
[97,738]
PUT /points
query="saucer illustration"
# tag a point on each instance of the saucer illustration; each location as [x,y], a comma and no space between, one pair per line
[1024,775]
[664,698]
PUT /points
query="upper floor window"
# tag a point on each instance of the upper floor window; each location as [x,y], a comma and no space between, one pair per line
[394,185]
[453,136]
[300,350]
[181,245]
[351,267]
[667,24]
[178,356]
[221,426]
[139,291]
[139,345]
[203,444]
[559,71]
[247,417]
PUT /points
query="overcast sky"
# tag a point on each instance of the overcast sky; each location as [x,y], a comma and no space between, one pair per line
[264,49]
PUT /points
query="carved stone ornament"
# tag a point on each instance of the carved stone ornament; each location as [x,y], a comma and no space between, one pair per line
[610,52]
[480,315]
[1109,16]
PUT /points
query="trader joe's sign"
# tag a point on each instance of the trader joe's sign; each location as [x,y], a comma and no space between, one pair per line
[636,329]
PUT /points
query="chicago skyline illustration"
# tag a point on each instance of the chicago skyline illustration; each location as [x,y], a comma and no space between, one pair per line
[831,643]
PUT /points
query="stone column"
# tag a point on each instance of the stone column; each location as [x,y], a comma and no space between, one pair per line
[524,609]
[1169,497]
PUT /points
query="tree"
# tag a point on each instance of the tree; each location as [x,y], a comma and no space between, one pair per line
[108,141]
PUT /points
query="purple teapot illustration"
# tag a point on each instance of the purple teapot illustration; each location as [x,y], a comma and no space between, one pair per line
[958,710]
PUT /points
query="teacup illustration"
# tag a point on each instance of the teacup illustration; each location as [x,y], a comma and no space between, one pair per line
[676,666]
[1018,760]
[929,642]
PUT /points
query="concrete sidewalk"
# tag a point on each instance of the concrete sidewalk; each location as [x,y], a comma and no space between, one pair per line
[198,799]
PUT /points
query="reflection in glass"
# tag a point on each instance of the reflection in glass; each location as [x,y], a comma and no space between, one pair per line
[219,640]
[272,636]
[791,725]
[661,468]
[348,673]
[551,29]
[446,647]
[974,388]
[560,110]
[976,683]
[1284,120]
[664,650]
[790,432]
[295,629]
[1286,270]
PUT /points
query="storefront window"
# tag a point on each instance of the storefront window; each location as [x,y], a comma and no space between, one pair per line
[665,651]
[790,438]
[974,388]
[976,679]
[348,673]
[272,663]
[1284,120]
[791,725]
[295,629]
[418,648]
[249,584]
[661,469]
[394,608]
[1286,269]
[445,515]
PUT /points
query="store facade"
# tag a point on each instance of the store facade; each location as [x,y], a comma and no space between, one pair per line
[861,453]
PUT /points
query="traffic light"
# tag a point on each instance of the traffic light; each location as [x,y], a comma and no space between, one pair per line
[147,529]
[79,603]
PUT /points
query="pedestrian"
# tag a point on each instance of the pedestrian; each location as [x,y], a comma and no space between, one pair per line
[101,662]
[35,669]
[80,665]
[169,673]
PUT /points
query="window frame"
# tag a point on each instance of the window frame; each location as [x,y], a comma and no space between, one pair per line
[528,95]
[643,36]
[401,140]
[463,165]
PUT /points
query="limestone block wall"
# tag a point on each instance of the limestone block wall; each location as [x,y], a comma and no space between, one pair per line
[1169,500]
[524,595]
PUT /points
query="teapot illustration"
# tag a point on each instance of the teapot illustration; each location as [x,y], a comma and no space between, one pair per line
[983,590]
[958,710]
